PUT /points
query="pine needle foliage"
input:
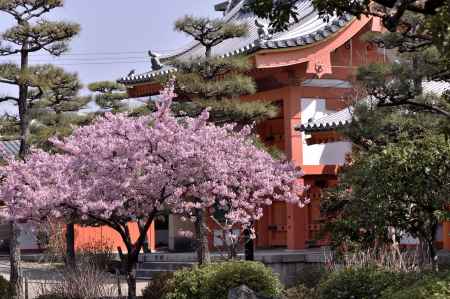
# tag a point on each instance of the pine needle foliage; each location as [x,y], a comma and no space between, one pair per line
[217,82]
[108,95]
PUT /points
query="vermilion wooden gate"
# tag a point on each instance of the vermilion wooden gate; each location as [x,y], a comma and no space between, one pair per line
[277,228]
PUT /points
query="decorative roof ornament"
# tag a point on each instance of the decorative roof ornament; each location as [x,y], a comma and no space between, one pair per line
[155,60]
[263,30]
[131,73]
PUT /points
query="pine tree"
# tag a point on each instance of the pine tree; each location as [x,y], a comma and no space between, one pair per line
[217,83]
[56,113]
[31,33]
[108,95]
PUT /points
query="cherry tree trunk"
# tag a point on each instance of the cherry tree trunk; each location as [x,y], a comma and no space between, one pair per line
[70,245]
[201,231]
[249,246]
[130,267]
[14,256]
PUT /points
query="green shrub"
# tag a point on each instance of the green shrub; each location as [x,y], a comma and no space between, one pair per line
[359,283]
[431,286]
[158,286]
[215,280]
[301,292]
[4,288]
[311,275]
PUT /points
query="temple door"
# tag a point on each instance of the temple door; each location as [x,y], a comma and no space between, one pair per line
[277,228]
[315,218]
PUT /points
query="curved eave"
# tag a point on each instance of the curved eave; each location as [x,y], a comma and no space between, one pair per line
[145,78]
[309,39]
[307,128]
[256,46]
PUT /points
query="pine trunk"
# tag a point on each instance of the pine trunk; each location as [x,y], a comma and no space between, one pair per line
[14,250]
[70,245]
[203,256]
[14,256]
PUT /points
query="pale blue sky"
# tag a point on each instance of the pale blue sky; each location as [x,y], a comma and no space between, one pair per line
[116,34]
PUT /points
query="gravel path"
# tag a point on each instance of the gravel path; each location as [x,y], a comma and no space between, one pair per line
[44,274]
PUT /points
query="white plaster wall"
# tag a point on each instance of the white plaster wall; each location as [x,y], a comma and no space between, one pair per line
[332,153]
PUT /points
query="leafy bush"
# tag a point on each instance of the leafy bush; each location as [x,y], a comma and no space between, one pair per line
[432,286]
[4,288]
[311,275]
[359,283]
[215,280]
[301,292]
[158,286]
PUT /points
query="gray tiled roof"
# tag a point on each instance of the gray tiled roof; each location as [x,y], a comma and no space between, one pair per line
[344,117]
[331,121]
[10,148]
[309,29]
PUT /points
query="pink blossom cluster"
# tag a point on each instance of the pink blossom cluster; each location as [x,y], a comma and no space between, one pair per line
[122,168]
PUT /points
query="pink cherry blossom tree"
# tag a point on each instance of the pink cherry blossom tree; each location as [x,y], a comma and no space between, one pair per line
[122,169]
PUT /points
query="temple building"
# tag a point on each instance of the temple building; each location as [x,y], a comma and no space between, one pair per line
[308,71]
[322,131]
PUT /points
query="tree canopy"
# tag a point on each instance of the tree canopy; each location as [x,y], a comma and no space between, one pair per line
[122,169]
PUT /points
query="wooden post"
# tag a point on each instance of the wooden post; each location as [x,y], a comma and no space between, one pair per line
[26,287]
[119,287]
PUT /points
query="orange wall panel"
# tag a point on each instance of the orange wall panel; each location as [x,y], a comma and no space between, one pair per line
[86,235]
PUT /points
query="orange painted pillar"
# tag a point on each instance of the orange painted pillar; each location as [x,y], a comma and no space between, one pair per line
[297,218]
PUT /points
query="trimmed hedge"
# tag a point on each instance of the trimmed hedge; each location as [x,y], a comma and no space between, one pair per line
[215,280]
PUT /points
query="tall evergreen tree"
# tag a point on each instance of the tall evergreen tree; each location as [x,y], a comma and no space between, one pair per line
[31,33]
[216,83]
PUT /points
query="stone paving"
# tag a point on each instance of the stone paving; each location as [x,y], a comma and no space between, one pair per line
[44,274]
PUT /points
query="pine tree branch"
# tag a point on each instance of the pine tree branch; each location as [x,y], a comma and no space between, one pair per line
[44,9]
[8,51]
[417,104]
[38,95]
[420,6]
